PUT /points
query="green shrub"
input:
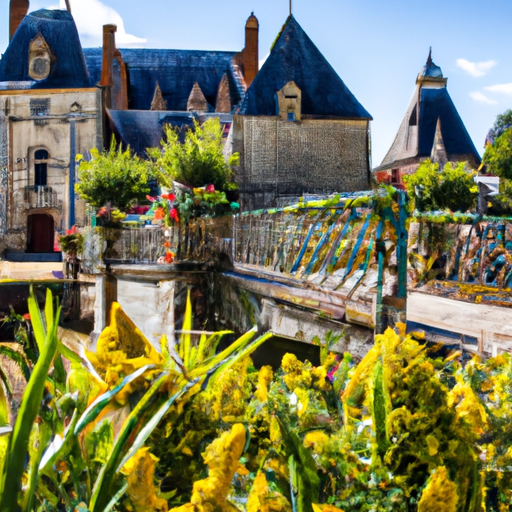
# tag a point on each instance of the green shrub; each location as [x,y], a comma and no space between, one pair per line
[452,188]
[197,161]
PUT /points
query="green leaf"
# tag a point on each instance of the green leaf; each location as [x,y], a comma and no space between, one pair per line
[93,411]
[153,422]
[29,408]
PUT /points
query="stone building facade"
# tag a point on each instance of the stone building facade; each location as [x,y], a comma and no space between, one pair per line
[49,113]
[299,129]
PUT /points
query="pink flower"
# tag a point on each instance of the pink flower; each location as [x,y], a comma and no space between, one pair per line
[210,188]
[152,199]
[174,214]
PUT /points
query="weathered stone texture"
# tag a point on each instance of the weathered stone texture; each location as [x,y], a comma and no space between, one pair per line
[22,133]
[292,158]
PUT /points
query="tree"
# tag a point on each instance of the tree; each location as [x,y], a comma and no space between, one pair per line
[196,162]
[114,177]
[498,155]
[503,122]
[452,188]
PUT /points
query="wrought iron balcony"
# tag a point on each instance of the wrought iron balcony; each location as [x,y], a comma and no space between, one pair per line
[41,196]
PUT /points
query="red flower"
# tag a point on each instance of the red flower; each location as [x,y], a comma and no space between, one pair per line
[171,197]
[174,214]
[167,244]
[159,213]
[72,231]
[210,188]
[169,257]
[26,316]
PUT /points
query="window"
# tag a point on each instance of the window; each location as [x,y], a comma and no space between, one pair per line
[40,107]
[40,167]
[395,176]
[292,116]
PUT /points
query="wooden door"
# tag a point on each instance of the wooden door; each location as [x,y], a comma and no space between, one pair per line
[40,233]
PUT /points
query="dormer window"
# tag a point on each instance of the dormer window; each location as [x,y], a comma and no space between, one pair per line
[39,58]
[289,100]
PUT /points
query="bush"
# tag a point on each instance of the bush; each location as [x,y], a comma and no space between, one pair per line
[196,162]
[452,188]
[114,177]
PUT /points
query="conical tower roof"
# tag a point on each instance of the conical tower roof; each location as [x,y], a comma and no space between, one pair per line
[294,57]
[431,105]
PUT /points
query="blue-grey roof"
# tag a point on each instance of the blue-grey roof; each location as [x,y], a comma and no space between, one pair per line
[68,69]
[294,57]
[415,137]
[436,104]
[176,71]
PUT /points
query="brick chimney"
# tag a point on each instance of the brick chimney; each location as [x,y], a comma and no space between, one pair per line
[250,52]
[18,9]
[107,79]
[109,46]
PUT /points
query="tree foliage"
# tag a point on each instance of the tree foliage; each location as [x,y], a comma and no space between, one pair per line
[114,177]
[503,122]
[197,161]
[452,187]
[498,156]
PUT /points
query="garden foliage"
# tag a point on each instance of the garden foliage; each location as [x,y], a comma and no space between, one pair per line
[451,188]
[195,158]
[113,177]
[192,429]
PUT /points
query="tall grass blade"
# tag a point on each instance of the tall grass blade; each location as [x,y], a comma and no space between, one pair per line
[93,411]
[153,422]
[29,408]
[101,489]
[185,336]
[36,320]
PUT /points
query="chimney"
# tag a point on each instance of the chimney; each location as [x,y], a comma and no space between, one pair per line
[18,9]
[250,52]
[109,46]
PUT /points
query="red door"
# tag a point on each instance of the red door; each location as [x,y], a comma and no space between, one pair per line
[40,233]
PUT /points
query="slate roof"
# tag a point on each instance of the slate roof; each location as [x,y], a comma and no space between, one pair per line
[142,129]
[58,28]
[175,70]
[295,57]
[434,104]
[414,140]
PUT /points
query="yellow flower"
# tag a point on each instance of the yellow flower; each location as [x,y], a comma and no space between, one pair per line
[221,457]
[440,494]
[316,440]
[263,499]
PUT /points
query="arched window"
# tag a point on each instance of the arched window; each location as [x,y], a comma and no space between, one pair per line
[40,167]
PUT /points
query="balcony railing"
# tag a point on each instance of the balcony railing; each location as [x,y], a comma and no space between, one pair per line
[41,196]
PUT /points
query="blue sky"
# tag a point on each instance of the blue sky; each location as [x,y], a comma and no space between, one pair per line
[376,46]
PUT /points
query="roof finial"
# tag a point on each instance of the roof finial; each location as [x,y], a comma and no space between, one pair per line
[429,60]
[290,7]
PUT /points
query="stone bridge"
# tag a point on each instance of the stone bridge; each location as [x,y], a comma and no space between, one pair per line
[335,271]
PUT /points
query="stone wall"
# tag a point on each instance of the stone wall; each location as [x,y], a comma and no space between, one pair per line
[315,156]
[24,129]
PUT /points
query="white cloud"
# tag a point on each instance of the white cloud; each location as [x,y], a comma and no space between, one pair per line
[91,15]
[478,96]
[504,88]
[476,68]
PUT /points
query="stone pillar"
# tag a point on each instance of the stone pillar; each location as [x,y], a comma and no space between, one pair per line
[106,293]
